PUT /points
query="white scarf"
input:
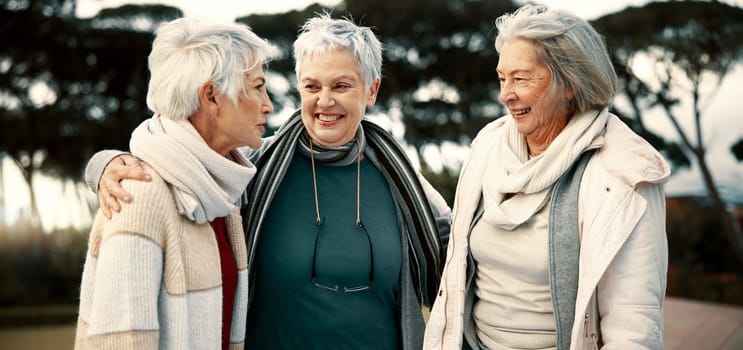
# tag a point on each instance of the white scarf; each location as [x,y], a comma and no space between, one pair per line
[205,184]
[510,170]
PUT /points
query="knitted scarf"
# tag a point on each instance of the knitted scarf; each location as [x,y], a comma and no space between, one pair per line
[530,180]
[205,184]
[415,217]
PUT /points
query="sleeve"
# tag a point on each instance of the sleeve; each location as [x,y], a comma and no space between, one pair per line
[122,282]
[96,164]
[631,293]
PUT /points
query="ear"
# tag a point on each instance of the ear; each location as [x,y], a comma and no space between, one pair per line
[569,94]
[373,90]
[208,96]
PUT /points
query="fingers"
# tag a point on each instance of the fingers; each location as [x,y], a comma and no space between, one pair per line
[110,193]
[106,201]
[131,169]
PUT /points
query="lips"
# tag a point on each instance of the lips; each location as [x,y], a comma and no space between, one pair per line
[522,111]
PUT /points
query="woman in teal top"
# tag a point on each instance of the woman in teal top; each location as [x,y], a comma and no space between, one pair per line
[319,319]
[345,240]
[345,237]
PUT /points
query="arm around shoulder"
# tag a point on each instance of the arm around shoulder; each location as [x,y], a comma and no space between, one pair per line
[96,164]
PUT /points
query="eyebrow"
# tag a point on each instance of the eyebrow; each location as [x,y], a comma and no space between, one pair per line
[335,79]
[515,71]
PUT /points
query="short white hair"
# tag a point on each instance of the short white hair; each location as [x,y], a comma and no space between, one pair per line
[187,52]
[322,33]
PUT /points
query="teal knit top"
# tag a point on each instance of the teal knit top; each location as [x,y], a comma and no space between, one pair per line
[289,311]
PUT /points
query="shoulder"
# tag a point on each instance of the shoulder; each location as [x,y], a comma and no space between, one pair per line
[489,130]
[486,137]
[152,211]
[629,157]
[151,192]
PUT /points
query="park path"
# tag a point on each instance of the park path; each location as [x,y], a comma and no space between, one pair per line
[690,325]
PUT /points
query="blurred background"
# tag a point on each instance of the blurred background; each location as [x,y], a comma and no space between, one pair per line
[73,79]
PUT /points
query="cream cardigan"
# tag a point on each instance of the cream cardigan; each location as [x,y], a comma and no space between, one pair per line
[152,278]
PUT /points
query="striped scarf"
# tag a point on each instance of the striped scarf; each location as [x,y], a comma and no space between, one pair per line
[415,216]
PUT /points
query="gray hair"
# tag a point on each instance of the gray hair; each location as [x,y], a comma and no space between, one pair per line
[572,49]
[323,33]
[188,52]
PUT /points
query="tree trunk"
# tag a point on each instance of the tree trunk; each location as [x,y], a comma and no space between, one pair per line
[732,231]
[34,220]
[731,228]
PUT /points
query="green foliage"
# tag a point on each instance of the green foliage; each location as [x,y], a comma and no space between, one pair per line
[97,80]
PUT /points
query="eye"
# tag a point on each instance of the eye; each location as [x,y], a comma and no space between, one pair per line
[342,86]
[310,87]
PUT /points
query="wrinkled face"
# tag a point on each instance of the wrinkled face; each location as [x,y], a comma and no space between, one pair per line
[524,83]
[333,96]
[244,124]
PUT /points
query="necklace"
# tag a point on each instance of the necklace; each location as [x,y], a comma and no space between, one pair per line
[358,185]
[336,287]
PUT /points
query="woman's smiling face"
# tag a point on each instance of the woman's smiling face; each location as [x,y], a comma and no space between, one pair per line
[525,91]
[333,96]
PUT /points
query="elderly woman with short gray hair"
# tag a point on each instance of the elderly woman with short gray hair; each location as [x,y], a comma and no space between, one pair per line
[169,271]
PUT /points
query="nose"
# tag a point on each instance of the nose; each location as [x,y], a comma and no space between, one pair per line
[266,106]
[506,93]
[325,98]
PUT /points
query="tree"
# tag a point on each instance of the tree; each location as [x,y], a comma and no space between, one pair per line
[69,87]
[695,44]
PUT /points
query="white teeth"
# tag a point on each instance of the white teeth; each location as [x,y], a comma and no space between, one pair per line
[520,111]
[327,118]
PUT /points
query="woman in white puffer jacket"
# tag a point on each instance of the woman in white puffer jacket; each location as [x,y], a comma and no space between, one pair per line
[558,234]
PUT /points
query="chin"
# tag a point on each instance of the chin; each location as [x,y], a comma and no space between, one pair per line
[255,144]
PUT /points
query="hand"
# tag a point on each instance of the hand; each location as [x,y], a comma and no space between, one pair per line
[110,191]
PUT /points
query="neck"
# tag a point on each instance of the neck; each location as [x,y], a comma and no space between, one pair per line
[208,131]
[358,183]
[538,141]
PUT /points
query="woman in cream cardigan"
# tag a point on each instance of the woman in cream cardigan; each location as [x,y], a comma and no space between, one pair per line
[169,272]
[558,229]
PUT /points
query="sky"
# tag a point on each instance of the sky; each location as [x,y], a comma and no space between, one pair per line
[231,9]
[722,125]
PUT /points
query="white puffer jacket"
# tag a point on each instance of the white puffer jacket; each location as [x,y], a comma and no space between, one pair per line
[623,255]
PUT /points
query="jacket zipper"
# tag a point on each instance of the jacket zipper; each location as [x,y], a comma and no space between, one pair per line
[589,336]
